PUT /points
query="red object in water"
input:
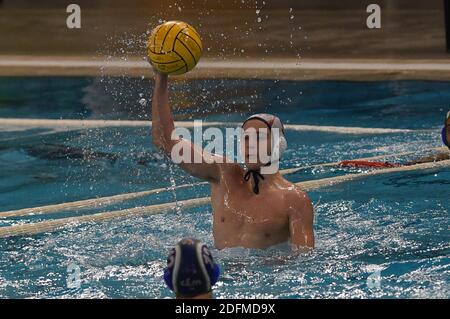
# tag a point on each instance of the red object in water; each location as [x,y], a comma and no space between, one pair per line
[356,163]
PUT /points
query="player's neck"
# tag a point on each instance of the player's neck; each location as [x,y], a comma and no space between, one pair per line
[271,177]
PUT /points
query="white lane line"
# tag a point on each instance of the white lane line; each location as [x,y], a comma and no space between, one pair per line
[82,124]
[208,64]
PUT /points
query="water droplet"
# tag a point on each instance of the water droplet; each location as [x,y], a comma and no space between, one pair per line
[143,102]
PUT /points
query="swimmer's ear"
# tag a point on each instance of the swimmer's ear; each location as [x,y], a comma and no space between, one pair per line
[283,145]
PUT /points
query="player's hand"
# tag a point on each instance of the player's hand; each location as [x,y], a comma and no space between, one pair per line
[159,74]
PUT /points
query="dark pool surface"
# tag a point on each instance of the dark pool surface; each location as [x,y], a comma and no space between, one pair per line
[391,227]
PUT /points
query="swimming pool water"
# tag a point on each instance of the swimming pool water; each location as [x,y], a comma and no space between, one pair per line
[397,224]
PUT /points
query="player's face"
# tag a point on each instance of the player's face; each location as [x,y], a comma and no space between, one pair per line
[256,136]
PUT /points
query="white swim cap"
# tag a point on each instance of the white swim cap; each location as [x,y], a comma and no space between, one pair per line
[271,121]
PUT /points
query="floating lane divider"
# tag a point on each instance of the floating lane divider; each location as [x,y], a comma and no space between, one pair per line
[109,200]
[56,224]
[88,203]
[83,124]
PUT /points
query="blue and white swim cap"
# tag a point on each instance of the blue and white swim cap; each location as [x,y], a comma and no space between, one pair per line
[444,131]
[191,270]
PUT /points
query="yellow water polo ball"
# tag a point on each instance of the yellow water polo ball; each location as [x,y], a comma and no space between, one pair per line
[174,47]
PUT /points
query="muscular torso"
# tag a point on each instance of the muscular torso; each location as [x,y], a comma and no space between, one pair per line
[245,219]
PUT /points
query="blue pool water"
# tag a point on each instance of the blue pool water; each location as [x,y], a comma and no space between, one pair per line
[392,227]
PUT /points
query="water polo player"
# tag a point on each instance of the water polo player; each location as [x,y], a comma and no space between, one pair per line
[251,208]
[446,131]
[191,271]
[445,134]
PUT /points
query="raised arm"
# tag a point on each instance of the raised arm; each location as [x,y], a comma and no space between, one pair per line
[163,126]
[301,220]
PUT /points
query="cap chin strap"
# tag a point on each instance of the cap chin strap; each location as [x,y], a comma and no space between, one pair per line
[255,173]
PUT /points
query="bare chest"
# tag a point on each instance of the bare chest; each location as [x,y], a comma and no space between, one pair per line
[236,203]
